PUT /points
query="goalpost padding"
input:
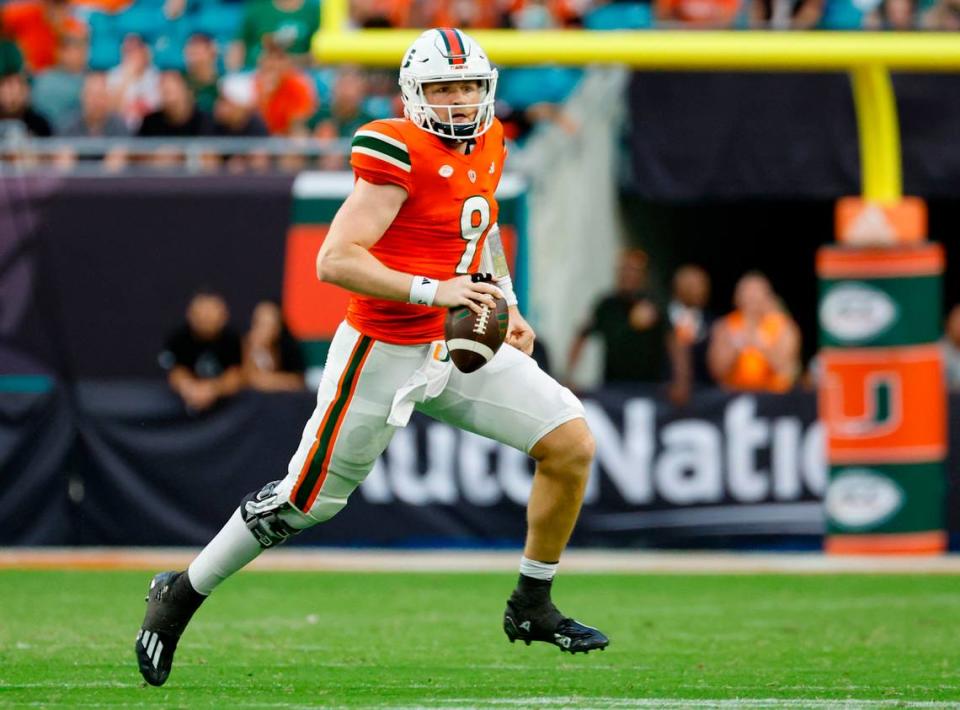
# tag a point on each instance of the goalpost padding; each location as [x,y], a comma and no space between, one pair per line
[883,398]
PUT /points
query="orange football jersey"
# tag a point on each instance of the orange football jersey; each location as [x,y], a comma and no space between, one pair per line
[441,227]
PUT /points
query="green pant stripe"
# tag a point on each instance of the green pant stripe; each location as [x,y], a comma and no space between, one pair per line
[336,413]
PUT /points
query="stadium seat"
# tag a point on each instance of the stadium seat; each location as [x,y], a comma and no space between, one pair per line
[144,19]
[620,16]
[220,20]
[523,87]
[168,51]
[104,51]
[101,23]
[323,80]
[845,14]
[378,106]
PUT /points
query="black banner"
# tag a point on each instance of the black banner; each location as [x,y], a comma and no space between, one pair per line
[94,272]
[123,464]
[36,447]
[696,136]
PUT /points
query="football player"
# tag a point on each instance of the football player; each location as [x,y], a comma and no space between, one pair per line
[420,220]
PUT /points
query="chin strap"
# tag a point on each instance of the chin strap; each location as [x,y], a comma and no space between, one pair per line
[458,133]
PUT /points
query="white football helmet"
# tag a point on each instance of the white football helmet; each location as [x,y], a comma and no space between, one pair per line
[446,55]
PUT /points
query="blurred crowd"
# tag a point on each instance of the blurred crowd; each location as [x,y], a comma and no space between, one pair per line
[664,14]
[219,69]
[753,347]
[679,344]
[207,360]
[110,69]
[682,344]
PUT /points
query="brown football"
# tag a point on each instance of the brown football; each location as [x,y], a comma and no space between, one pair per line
[473,339]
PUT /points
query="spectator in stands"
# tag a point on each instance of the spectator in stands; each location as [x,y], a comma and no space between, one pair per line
[757,346]
[235,112]
[543,14]
[289,23]
[786,14]
[200,59]
[37,26]
[344,114]
[203,356]
[11,61]
[528,96]
[16,111]
[688,336]
[174,9]
[178,115]
[380,14]
[475,14]
[134,84]
[56,92]
[272,360]
[235,116]
[697,14]
[96,120]
[944,16]
[896,15]
[108,6]
[951,348]
[286,96]
[630,324]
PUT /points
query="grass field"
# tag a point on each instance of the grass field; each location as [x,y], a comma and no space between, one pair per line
[274,639]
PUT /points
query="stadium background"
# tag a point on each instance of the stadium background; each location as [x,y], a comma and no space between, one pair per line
[736,169]
[699,131]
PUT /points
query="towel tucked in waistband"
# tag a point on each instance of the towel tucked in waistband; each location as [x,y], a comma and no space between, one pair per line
[426,382]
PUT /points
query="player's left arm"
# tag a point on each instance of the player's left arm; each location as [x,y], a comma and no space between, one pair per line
[519,333]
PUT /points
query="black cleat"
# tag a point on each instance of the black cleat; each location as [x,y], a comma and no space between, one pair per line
[171,601]
[546,623]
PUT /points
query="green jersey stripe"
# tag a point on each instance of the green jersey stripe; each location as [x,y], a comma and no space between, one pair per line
[381,146]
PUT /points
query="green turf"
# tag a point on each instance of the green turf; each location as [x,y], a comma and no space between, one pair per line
[295,640]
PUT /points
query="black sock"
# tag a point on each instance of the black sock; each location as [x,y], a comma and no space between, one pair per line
[180,601]
[183,592]
[532,592]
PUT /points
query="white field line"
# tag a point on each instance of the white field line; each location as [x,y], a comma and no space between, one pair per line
[586,561]
[677,703]
[578,702]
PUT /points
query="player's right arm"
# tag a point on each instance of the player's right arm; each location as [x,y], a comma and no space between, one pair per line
[345,259]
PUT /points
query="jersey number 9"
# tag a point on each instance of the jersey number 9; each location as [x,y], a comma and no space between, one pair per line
[474,220]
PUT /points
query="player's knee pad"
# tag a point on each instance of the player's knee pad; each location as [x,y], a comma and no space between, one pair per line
[268,515]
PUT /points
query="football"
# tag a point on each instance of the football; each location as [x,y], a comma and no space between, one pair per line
[472,338]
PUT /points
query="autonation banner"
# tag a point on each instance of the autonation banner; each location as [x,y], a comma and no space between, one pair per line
[132,468]
[745,465]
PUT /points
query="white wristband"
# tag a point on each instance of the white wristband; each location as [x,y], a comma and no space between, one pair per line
[506,285]
[423,290]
